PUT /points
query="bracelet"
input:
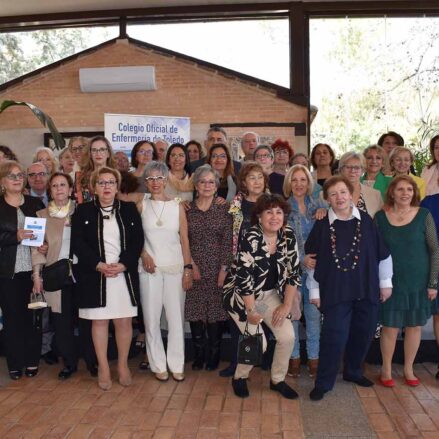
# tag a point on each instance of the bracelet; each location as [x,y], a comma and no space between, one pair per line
[188,266]
[187,274]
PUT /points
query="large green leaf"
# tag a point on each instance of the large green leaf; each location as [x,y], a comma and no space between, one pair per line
[42,117]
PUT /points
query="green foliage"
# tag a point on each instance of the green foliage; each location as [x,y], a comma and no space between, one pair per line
[42,117]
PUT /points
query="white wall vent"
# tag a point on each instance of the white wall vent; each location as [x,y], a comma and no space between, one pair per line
[111,79]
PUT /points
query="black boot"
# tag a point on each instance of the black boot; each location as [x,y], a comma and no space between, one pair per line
[199,342]
[214,334]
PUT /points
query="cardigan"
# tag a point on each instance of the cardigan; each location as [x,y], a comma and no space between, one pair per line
[88,246]
[336,285]
[8,231]
[249,271]
[372,199]
[381,183]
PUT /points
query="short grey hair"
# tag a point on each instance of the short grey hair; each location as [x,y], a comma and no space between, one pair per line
[349,156]
[266,148]
[250,132]
[203,170]
[160,167]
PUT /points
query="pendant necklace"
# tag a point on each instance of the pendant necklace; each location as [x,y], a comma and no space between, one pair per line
[401,215]
[159,221]
[107,212]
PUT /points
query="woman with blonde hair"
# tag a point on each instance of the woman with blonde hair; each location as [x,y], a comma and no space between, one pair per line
[306,207]
[401,159]
[376,161]
[79,146]
[47,157]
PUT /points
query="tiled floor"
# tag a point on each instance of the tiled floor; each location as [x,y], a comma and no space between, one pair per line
[203,406]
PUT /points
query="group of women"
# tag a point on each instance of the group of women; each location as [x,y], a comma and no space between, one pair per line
[223,250]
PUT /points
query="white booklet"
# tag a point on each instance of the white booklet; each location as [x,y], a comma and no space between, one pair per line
[38,227]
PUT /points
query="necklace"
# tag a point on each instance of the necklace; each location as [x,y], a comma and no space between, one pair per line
[268,242]
[107,212]
[350,260]
[400,216]
[159,221]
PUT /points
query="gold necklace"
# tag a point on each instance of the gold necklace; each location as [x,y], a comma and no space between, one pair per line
[401,215]
[159,221]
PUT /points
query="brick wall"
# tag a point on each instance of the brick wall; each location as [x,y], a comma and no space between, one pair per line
[183,89]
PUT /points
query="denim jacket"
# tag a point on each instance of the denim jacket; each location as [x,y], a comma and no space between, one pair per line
[303,223]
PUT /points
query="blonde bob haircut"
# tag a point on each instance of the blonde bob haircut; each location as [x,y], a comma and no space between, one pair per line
[105,170]
[399,150]
[289,175]
[351,155]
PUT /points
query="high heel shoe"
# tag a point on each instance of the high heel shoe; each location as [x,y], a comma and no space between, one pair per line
[125,379]
[15,374]
[387,383]
[412,383]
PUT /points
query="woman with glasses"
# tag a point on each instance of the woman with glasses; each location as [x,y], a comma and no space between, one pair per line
[107,239]
[79,147]
[142,153]
[322,160]
[264,155]
[179,184]
[401,160]
[367,199]
[373,176]
[165,273]
[98,156]
[283,152]
[21,338]
[210,238]
[219,158]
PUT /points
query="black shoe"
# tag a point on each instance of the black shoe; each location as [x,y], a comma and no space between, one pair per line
[50,358]
[15,374]
[144,365]
[67,372]
[31,372]
[198,364]
[284,389]
[93,369]
[316,394]
[240,387]
[360,381]
[228,372]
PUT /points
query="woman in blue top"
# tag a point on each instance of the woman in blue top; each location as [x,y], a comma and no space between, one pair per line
[306,207]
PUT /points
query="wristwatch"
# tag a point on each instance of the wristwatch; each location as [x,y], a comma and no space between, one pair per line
[188,266]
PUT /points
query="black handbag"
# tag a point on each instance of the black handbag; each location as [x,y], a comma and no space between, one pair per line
[250,347]
[58,275]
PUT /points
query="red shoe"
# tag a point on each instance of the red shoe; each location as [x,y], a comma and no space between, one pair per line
[413,383]
[387,383]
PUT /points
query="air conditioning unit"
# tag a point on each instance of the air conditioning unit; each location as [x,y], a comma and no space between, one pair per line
[114,79]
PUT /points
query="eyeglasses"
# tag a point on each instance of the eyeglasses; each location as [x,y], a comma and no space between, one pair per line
[158,178]
[145,152]
[15,177]
[99,150]
[219,156]
[354,168]
[105,183]
[263,156]
[77,148]
[177,156]
[36,174]
[207,182]
[255,177]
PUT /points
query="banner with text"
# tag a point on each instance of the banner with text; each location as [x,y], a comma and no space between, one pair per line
[125,130]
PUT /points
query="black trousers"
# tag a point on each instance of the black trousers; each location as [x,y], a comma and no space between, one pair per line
[64,326]
[21,333]
[347,327]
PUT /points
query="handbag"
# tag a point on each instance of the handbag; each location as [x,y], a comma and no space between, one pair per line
[58,275]
[250,347]
[37,301]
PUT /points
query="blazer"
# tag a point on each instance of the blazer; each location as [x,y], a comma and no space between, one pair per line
[249,271]
[88,246]
[372,199]
[8,231]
